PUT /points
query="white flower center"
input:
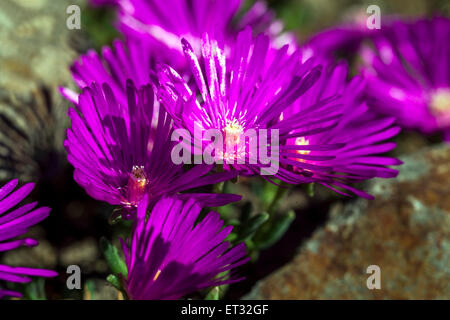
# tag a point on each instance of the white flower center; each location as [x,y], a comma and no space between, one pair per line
[232,133]
[440,102]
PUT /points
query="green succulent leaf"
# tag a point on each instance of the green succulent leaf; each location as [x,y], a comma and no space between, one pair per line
[114,281]
[114,260]
[252,225]
[213,294]
[274,230]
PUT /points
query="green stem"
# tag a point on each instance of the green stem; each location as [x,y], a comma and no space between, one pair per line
[279,195]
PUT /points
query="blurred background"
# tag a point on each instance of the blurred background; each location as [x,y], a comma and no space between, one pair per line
[321,251]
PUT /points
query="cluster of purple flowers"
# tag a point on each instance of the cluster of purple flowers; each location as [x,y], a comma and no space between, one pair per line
[193,65]
[15,223]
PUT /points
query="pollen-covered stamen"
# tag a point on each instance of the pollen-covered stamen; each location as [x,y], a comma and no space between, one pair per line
[157,275]
[232,133]
[301,141]
[137,183]
[440,102]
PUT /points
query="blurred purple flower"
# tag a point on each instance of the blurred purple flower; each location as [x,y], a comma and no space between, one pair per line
[153,30]
[161,23]
[170,256]
[347,37]
[13,224]
[408,74]
[340,39]
[122,151]
[337,130]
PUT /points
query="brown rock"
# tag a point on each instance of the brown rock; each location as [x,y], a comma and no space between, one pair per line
[405,231]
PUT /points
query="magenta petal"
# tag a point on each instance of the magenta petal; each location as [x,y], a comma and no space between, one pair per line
[169,256]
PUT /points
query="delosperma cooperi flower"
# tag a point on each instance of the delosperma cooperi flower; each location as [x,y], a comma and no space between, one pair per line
[269,89]
[152,32]
[249,93]
[169,256]
[408,74]
[13,224]
[119,156]
[360,133]
[160,24]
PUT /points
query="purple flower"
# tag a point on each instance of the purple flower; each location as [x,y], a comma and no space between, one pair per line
[339,131]
[408,74]
[170,256]
[347,37]
[341,39]
[317,115]
[153,30]
[122,62]
[122,151]
[248,93]
[13,224]
[161,23]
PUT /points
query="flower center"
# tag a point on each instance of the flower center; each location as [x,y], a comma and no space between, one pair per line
[232,134]
[233,131]
[301,141]
[137,183]
[440,102]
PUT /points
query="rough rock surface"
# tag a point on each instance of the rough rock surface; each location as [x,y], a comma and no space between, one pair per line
[405,231]
[35,43]
[35,57]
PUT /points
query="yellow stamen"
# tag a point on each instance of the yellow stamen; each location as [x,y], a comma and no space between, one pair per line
[157,275]
[301,141]
[233,131]
[139,176]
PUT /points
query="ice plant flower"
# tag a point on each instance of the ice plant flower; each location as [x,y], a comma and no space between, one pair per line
[158,25]
[170,256]
[337,40]
[408,73]
[351,146]
[161,23]
[152,30]
[267,89]
[122,62]
[246,94]
[15,223]
[345,38]
[119,156]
